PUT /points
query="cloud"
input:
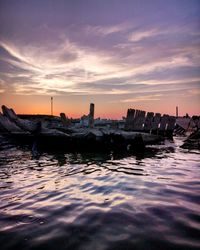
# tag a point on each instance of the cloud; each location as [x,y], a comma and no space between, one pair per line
[108,29]
[2,83]
[155,97]
[128,63]
[163,32]
[139,35]
[194,92]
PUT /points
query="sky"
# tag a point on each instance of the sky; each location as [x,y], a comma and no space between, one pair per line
[118,54]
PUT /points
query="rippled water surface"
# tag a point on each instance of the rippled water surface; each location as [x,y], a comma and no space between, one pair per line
[100,201]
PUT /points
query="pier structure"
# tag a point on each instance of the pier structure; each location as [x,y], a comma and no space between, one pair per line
[51,133]
[91,115]
[138,120]
[176,111]
[88,120]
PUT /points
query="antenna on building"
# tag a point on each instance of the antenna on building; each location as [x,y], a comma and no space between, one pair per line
[52,106]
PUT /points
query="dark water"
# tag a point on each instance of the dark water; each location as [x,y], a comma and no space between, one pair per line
[100,201]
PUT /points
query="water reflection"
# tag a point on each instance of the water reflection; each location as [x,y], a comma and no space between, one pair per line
[64,200]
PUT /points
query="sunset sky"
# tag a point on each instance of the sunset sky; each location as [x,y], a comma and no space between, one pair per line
[118,54]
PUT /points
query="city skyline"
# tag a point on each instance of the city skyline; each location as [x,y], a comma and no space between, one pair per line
[116,54]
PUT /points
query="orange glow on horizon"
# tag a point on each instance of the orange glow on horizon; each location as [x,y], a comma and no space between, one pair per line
[77,106]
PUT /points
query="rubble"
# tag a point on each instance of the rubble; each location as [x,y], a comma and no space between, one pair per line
[90,138]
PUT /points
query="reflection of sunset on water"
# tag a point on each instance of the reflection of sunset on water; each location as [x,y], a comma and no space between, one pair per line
[100,196]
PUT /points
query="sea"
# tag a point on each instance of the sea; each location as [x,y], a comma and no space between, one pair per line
[100,201]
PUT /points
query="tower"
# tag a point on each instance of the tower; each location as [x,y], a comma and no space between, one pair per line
[91,115]
[176,111]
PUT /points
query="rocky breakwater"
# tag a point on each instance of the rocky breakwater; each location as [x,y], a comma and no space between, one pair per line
[70,138]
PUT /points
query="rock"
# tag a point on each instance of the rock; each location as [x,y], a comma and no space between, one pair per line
[137,144]
[65,121]
[195,135]
[193,141]
[147,138]
[25,125]
[8,126]
[191,144]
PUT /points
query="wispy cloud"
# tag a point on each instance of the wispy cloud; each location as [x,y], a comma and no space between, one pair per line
[108,29]
[70,68]
[121,59]
[139,35]
[154,97]
[2,83]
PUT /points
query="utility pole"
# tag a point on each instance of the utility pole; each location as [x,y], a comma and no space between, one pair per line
[52,106]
